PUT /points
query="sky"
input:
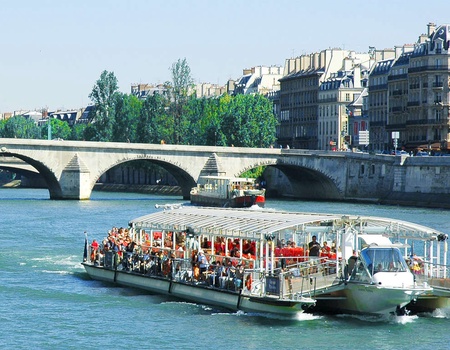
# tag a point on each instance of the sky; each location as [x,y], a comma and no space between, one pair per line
[53,51]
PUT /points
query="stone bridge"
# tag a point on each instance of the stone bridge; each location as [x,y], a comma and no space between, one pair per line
[71,168]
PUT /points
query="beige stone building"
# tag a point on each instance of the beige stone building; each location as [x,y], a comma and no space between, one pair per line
[427,118]
[409,95]
[314,95]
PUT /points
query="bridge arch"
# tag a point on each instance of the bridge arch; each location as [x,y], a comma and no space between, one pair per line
[184,179]
[302,181]
[47,174]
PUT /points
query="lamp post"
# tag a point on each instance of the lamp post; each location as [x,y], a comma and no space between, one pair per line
[49,129]
[395,136]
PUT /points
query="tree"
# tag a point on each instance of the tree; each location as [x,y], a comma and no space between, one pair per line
[21,128]
[249,121]
[179,88]
[60,129]
[104,97]
[78,132]
[127,112]
[153,125]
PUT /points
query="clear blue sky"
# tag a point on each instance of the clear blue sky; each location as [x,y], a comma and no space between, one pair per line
[53,51]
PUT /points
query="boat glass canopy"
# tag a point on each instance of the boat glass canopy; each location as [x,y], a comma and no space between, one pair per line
[259,224]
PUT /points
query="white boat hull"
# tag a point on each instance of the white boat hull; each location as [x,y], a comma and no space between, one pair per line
[356,298]
[199,293]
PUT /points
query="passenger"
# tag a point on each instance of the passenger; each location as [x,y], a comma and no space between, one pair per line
[239,277]
[94,250]
[246,247]
[325,249]
[314,251]
[351,263]
[282,262]
[379,268]
[205,244]
[226,273]
[202,263]
[233,250]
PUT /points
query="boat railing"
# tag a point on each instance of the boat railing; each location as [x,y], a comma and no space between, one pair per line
[297,280]
[426,270]
[301,278]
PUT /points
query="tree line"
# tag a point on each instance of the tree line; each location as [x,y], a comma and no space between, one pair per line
[176,116]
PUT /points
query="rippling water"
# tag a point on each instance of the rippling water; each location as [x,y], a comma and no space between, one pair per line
[48,302]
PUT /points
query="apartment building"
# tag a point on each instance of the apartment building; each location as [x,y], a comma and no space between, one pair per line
[313,116]
[409,95]
[257,80]
[427,118]
[335,95]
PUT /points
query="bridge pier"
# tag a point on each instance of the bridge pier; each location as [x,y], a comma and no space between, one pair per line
[74,181]
[74,185]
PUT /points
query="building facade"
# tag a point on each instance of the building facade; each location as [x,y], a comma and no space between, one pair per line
[314,93]
[427,120]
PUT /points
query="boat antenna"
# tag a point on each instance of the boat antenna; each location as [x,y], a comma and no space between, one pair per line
[85,253]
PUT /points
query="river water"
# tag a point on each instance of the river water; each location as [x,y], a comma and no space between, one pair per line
[48,301]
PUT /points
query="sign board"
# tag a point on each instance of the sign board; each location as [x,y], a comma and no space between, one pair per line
[364,137]
[272,285]
[395,134]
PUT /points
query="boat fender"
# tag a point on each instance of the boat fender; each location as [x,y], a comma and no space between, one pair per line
[248,282]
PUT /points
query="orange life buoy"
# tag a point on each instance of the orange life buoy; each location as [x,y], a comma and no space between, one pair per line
[248,282]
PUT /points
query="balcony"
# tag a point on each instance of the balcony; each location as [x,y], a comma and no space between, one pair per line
[397,93]
[413,103]
[396,126]
[378,87]
[426,122]
[397,109]
[428,68]
[397,77]
[378,123]
[438,85]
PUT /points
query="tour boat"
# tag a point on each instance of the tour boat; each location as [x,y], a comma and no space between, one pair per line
[265,256]
[169,238]
[232,192]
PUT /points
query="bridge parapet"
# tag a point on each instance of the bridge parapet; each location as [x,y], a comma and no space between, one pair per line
[71,169]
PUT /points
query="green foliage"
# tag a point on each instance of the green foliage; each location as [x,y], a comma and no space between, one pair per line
[154,125]
[104,96]
[20,127]
[60,130]
[179,88]
[249,121]
[78,132]
[127,112]
[176,117]
[254,173]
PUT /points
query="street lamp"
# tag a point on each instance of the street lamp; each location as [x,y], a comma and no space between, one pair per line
[49,129]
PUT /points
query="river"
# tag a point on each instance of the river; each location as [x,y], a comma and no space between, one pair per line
[48,301]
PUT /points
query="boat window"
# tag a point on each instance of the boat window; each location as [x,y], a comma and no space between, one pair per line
[360,273]
[383,260]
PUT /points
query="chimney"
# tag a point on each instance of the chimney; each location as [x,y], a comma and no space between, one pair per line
[431,28]
[357,77]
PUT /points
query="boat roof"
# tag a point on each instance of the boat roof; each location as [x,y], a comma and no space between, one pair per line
[258,223]
[229,178]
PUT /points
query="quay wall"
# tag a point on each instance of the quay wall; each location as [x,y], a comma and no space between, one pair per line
[406,181]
